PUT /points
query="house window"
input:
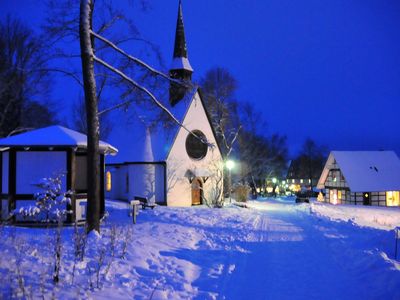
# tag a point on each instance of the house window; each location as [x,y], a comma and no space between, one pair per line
[392,198]
[108,181]
[293,181]
[195,148]
[339,195]
[301,180]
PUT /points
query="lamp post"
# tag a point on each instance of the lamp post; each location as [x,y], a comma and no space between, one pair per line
[274,186]
[229,165]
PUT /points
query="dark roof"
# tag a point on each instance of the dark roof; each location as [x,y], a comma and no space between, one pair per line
[180,49]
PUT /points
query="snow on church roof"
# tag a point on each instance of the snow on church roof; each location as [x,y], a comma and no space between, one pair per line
[181,63]
[366,171]
[131,138]
[52,136]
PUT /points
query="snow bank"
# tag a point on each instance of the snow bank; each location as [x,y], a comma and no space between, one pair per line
[386,218]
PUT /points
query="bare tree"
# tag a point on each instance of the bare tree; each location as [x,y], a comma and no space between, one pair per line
[219,87]
[24,79]
[262,156]
[310,162]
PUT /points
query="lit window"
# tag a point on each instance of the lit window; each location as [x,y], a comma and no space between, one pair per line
[293,181]
[301,180]
[339,195]
[333,197]
[392,199]
[108,181]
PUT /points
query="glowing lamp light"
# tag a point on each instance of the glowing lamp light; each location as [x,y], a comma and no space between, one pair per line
[274,180]
[320,197]
[230,164]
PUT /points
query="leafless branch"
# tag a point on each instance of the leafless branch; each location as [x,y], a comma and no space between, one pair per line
[139,62]
[152,97]
[71,74]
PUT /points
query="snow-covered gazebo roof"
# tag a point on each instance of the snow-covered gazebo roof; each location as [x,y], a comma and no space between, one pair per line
[52,136]
[365,171]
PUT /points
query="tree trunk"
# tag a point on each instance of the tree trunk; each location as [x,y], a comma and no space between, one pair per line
[89,83]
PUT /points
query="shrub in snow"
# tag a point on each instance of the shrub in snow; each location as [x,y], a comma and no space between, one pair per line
[51,203]
[215,198]
[242,192]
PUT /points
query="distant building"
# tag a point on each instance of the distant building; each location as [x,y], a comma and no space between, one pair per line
[361,178]
[28,157]
[298,177]
[169,165]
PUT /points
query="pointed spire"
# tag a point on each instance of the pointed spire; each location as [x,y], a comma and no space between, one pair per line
[180,49]
[180,67]
[180,61]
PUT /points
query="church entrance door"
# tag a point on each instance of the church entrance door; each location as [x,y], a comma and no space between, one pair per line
[196,191]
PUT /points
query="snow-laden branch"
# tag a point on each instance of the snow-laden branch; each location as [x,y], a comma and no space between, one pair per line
[138,61]
[147,92]
[230,146]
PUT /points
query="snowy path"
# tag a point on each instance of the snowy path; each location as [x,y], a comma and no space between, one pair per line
[295,262]
[280,251]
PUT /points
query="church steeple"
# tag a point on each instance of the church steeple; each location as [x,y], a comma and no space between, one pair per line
[180,67]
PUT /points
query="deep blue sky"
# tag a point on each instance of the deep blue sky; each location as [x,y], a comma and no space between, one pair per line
[329,70]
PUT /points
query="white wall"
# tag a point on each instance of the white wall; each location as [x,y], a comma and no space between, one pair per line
[34,165]
[178,162]
[118,179]
[5,173]
[147,180]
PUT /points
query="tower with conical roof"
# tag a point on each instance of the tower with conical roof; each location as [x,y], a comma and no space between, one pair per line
[180,68]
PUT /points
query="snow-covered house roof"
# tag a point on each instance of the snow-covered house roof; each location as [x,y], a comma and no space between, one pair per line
[365,171]
[52,136]
[132,139]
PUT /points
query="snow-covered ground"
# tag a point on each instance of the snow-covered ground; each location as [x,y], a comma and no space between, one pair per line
[385,218]
[274,249]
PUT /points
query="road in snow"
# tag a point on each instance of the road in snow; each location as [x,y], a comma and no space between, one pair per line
[273,250]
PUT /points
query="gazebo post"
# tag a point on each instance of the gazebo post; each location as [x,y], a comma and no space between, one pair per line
[71,174]
[102,200]
[12,179]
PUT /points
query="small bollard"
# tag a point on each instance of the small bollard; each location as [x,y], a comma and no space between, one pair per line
[134,209]
[396,237]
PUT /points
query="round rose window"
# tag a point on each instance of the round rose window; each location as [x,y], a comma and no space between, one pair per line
[195,148]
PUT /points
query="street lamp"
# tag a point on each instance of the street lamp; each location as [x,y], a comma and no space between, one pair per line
[230,164]
[274,186]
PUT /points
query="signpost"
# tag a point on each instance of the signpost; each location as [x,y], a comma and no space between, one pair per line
[397,237]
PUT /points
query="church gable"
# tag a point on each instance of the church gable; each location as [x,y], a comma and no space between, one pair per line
[196,120]
[187,157]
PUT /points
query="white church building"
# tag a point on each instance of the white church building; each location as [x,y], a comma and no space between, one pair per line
[179,166]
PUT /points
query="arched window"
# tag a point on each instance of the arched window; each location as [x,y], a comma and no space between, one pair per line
[108,181]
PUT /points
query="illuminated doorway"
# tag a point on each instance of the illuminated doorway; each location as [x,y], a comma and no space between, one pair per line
[196,191]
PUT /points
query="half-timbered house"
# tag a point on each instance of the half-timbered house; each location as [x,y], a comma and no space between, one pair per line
[361,178]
